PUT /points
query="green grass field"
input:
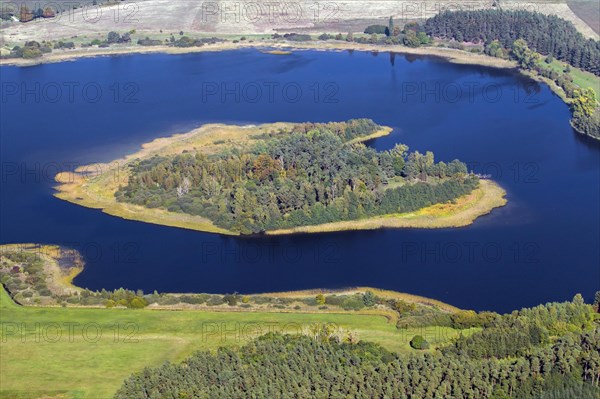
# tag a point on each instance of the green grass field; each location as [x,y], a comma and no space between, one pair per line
[580,78]
[81,353]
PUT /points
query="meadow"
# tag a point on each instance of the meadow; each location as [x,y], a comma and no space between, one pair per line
[580,78]
[88,352]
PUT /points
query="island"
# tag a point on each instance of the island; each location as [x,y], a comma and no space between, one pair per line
[282,178]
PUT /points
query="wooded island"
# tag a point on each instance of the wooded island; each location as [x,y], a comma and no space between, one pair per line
[280,177]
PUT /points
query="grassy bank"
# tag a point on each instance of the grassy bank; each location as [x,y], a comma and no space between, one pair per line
[581,78]
[379,292]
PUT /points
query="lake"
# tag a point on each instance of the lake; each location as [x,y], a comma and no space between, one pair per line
[544,246]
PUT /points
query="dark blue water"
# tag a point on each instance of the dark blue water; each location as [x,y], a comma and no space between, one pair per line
[543,246]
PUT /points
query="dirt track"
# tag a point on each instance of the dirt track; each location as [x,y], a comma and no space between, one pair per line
[236,17]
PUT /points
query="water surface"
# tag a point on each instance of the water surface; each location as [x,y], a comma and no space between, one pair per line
[544,246]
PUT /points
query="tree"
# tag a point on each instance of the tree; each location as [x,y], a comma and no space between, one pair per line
[31,52]
[578,300]
[390,28]
[414,26]
[49,12]
[25,14]
[597,301]
[526,57]
[584,102]
[423,38]
[265,167]
[137,303]
[376,29]
[419,343]
[495,49]
[113,37]
[411,39]
[369,299]
[320,298]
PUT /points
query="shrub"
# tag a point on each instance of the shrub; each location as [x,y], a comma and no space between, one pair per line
[31,52]
[215,300]
[335,300]
[232,300]
[320,298]
[419,343]
[376,29]
[369,299]
[353,303]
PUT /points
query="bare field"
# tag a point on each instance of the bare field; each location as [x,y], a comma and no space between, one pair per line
[236,17]
[588,11]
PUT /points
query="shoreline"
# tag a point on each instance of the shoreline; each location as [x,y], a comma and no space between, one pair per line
[267,47]
[61,284]
[454,56]
[96,190]
[482,201]
[385,131]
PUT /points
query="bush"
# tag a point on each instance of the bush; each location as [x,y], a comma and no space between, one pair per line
[335,300]
[232,300]
[297,37]
[113,37]
[215,300]
[401,306]
[353,303]
[419,343]
[320,299]
[31,52]
[376,29]
[194,299]
[369,299]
